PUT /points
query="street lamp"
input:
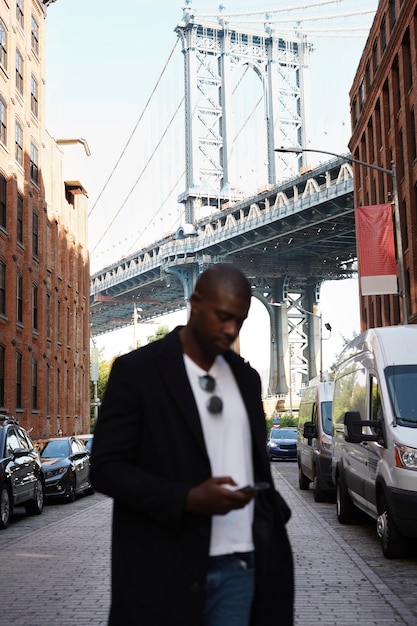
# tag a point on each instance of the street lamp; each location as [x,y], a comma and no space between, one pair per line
[392,172]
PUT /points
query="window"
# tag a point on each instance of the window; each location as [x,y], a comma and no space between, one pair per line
[3,46]
[375,56]
[368,77]
[2,385]
[3,121]
[34,174]
[396,85]
[48,391]
[48,315]
[3,201]
[361,94]
[34,96]
[19,298]
[2,288]
[354,111]
[19,359]
[12,441]
[407,63]
[59,324]
[20,17]
[58,391]
[34,307]
[349,393]
[19,218]
[35,234]
[34,37]
[19,72]
[413,143]
[34,384]
[383,34]
[19,144]
[68,326]
[392,14]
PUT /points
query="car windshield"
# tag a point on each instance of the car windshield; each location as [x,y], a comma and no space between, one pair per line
[55,449]
[284,433]
[326,416]
[402,385]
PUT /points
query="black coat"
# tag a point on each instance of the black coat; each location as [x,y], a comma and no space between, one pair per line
[148,452]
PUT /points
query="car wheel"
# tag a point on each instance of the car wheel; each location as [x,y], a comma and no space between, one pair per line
[5,507]
[319,494]
[344,505]
[393,542]
[35,506]
[70,493]
[303,480]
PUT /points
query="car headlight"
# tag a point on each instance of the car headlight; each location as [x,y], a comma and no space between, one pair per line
[405,456]
[55,472]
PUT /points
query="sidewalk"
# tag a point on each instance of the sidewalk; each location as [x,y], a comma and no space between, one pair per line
[59,573]
[335,586]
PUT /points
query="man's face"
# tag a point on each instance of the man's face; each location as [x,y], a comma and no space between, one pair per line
[217,320]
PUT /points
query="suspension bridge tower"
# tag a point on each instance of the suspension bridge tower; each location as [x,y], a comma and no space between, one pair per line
[217,61]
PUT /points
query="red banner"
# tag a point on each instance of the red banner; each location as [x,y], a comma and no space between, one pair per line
[376,250]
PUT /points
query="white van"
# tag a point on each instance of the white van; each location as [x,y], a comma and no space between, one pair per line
[374,446]
[314,444]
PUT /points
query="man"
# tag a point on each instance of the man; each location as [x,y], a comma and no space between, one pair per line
[181,430]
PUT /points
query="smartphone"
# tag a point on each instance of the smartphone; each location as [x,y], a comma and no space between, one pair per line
[255,487]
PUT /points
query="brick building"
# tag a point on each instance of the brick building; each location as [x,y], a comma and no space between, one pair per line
[44,263]
[383,101]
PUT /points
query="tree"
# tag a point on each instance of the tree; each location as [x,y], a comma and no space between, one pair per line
[160,334]
[104,368]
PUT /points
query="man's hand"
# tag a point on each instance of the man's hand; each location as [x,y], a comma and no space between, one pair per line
[212,498]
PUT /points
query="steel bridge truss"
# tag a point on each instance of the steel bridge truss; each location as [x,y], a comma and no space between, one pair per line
[212,53]
[287,240]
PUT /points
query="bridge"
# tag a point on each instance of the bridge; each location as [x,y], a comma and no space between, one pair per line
[288,240]
[296,230]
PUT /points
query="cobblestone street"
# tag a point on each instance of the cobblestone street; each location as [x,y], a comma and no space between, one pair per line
[58,566]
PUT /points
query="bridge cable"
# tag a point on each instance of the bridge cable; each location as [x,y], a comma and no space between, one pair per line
[135,128]
[269,11]
[158,211]
[141,174]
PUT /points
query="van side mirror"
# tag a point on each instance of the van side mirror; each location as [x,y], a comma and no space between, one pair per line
[310,430]
[354,425]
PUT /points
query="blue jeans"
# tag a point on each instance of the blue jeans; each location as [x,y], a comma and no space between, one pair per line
[229,590]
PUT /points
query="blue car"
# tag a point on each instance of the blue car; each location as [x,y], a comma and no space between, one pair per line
[282,444]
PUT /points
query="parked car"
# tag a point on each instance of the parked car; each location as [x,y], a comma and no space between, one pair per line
[21,477]
[66,467]
[374,444]
[282,443]
[314,453]
[87,440]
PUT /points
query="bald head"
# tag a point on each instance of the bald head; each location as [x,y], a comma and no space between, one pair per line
[218,307]
[223,276]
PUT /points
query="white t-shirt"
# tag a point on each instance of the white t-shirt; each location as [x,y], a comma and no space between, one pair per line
[229,446]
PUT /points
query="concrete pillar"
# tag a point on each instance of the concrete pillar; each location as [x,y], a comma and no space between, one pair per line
[279,374]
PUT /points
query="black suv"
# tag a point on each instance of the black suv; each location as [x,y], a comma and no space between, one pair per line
[21,478]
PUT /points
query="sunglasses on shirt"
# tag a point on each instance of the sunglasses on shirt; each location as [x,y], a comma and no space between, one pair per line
[214,403]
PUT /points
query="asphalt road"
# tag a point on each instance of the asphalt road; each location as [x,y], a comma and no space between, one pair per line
[55,567]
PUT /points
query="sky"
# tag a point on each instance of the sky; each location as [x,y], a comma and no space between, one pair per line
[103,61]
